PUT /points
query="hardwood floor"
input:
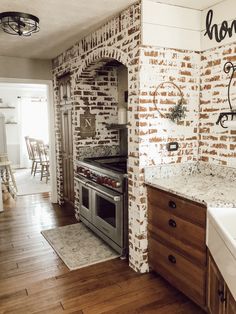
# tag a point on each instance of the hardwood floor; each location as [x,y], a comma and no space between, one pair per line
[33,279]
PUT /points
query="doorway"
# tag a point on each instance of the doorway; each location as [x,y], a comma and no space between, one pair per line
[29,113]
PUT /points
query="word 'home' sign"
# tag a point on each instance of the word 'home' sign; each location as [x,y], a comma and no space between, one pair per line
[219,32]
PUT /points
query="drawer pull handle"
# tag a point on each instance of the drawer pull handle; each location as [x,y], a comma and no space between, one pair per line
[222,296]
[172,223]
[172,259]
[172,204]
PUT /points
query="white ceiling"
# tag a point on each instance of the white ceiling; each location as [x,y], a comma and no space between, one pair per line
[23,86]
[192,4]
[64,22]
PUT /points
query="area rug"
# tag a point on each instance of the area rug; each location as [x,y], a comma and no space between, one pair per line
[28,184]
[78,246]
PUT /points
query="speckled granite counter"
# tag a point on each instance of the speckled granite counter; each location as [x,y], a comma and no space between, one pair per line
[212,185]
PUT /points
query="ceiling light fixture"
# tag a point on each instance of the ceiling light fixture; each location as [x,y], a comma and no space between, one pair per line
[17,23]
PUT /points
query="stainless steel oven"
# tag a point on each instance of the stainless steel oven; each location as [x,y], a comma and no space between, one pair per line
[108,213]
[103,204]
[85,193]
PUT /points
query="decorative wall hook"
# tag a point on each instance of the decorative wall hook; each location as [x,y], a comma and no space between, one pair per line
[178,111]
[225,116]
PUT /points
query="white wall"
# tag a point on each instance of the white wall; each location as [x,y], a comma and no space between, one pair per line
[182,28]
[170,26]
[11,67]
[224,11]
[9,93]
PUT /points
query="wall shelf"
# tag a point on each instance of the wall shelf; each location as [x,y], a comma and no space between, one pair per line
[116,126]
[7,107]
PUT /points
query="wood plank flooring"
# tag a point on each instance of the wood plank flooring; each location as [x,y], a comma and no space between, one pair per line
[33,279]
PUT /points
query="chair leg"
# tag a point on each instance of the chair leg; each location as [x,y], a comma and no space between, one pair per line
[35,168]
[32,168]
[12,178]
[42,169]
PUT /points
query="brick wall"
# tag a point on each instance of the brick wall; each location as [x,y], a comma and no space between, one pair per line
[217,145]
[99,92]
[95,83]
[181,67]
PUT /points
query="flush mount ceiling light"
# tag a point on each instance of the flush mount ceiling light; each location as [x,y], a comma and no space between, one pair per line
[17,23]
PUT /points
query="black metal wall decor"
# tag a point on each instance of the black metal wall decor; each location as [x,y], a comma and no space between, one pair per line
[214,31]
[178,110]
[87,124]
[225,116]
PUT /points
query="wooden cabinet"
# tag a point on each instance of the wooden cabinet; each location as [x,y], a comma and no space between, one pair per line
[220,300]
[216,289]
[67,156]
[177,242]
[66,137]
[231,303]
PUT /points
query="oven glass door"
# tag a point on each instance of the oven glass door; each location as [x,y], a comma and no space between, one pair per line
[108,214]
[85,201]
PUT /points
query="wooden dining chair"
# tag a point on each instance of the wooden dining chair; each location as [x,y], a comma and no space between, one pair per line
[43,151]
[35,155]
[29,150]
[7,176]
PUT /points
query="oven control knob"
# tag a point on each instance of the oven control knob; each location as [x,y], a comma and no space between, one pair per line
[117,184]
[87,173]
[113,183]
[105,180]
[81,169]
[99,179]
[109,181]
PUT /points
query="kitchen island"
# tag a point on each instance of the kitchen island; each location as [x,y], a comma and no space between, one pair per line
[184,202]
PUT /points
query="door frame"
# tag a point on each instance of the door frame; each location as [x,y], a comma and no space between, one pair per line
[51,128]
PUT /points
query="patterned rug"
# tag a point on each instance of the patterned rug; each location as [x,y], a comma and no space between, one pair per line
[78,246]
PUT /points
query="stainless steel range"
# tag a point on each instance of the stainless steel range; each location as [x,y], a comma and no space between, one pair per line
[103,199]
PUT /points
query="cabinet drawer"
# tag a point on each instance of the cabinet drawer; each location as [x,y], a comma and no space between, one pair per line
[195,255]
[189,238]
[176,205]
[180,272]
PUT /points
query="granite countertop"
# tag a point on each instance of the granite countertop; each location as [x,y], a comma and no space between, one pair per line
[214,186]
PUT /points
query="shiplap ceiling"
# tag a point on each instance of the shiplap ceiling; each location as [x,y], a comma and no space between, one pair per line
[192,4]
[64,22]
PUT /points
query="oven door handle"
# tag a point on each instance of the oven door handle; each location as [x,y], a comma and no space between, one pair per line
[81,181]
[115,198]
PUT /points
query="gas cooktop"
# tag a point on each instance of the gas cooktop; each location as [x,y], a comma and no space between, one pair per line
[116,163]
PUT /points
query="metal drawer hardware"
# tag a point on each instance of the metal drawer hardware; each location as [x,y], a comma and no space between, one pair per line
[172,259]
[172,204]
[172,223]
[221,294]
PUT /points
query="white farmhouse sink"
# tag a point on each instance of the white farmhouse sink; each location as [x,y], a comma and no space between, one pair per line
[221,241]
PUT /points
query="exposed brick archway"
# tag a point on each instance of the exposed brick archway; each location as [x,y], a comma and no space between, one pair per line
[102,56]
[119,39]
[95,86]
